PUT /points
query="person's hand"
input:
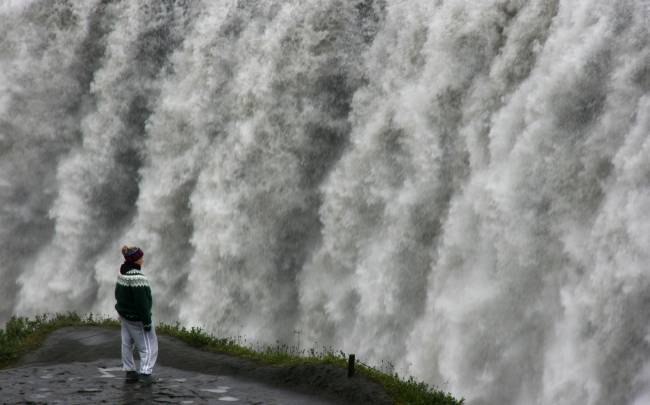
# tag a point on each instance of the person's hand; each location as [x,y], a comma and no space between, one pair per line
[147,328]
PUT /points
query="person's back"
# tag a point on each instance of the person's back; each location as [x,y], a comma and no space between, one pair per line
[134,302]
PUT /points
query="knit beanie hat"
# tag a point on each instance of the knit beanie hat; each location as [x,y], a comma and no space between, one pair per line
[132,253]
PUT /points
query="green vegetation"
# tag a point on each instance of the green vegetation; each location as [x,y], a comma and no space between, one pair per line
[22,335]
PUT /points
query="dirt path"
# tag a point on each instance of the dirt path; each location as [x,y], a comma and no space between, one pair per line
[82,365]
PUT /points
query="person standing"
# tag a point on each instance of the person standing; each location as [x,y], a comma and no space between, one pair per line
[134,301]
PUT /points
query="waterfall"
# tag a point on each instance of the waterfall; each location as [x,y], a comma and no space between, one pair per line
[458,187]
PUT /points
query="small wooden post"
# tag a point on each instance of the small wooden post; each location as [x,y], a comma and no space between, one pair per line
[351,366]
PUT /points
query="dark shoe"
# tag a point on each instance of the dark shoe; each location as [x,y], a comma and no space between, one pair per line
[145,379]
[131,376]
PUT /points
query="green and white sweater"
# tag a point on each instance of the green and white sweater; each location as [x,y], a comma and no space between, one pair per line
[133,296]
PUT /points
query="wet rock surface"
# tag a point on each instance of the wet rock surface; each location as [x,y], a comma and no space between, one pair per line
[82,365]
[103,381]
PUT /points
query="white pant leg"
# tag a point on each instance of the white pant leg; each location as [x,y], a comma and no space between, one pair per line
[149,360]
[127,347]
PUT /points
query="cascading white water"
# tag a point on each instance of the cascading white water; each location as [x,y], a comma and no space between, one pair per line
[459,187]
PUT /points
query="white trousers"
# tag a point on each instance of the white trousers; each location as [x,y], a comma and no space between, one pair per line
[134,335]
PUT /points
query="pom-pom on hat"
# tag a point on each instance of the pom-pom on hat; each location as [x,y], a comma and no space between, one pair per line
[132,253]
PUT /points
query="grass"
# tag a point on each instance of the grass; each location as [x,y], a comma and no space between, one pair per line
[22,335]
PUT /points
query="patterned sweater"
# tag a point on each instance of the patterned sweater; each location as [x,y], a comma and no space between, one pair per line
[133,296]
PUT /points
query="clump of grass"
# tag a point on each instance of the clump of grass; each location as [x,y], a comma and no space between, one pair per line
[409,391]
[405,391]
[21,335]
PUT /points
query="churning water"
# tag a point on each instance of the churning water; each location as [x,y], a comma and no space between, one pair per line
[461,187]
